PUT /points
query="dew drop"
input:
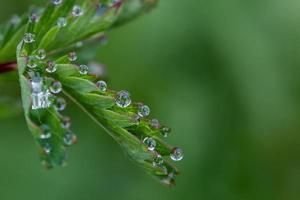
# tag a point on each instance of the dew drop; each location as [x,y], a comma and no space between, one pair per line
[177,154]
[165,131]
[29,38]
[60,104]
[123,99]
[83,69]
[77,11]
[36,84]
[158,161]
[79,44]
[72,56]
[102,86]
[143,111]
[33,18]
[66,122]
[61,22]
[47,148]
[56,2]
[155,123]
[150,143]
[31,62]
[46,132]
[55,87]
[51,67]
[70,138]
[41,54]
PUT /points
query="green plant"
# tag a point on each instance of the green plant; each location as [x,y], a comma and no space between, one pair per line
[41,48]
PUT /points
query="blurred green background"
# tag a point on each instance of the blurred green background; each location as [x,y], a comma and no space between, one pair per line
[224,75]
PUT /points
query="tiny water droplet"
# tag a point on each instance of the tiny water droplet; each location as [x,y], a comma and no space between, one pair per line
[102,86]
[56,2]
[31,62]
[66,122]
[101,10]
[150,143]
[29,38]
[72,56]
[177,154]
[165,131]
[56,87]
[33,18]
[41,54]
[70,138]
[155,123]
[83,69]
[123,99]
[158,161]
[46,132]
[51,67]
[47,148]
[60,104]
[61,22]
[77,11]
[143,111]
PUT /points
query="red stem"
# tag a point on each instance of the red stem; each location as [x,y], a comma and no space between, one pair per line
[7,67]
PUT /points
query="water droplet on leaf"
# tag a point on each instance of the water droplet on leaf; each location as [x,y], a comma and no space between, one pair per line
[31,62]
[70,138]
[56,87]
[165,131]
[155,123]
[51,67]
[177,154]
[60,104]
[77,11]
[83,69]
[123,99]
[102,86]
[29,38]
[143,110]
[158,161]
[41,54]
[61,22]
[72,56]
[56,2]
[150,143]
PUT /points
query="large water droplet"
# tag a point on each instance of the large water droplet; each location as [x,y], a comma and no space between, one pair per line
[102,86]
[31,62]
[56,2]
[70,138]
[150,143]
[158,161]
[143,110]
[177,154]
[51,67]
[60,104]
[77,11]
[155,123]
[29,38]
[55,87]
[61,22]
[72,56]
[123,99]
[83,69]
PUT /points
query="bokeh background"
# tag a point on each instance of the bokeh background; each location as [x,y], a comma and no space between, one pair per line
[225,75]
